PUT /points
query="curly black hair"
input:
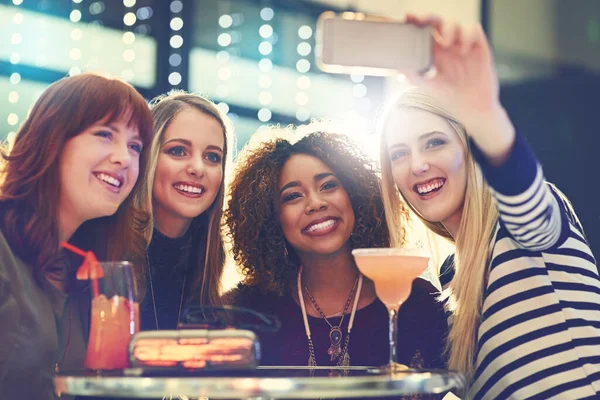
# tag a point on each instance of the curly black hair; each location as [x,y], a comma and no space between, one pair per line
[259,245]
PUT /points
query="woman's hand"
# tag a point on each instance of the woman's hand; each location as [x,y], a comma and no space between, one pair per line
[465,82]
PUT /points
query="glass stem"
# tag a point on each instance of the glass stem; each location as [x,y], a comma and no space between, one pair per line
[393,326]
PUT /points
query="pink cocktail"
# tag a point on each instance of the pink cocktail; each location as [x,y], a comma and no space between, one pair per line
[114,318]
[393,271]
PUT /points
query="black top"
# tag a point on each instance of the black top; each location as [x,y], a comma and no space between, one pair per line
[168,259]
[422,330]
[447,271]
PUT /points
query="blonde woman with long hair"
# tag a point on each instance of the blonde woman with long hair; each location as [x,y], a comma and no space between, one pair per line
[185,194]
[525,294]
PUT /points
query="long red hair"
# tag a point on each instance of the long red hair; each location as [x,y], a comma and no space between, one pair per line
[30,184]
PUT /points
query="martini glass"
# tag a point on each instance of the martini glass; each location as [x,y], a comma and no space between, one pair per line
[393,271]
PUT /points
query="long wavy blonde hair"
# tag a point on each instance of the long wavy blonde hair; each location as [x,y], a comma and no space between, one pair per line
[472,241]
[207,241]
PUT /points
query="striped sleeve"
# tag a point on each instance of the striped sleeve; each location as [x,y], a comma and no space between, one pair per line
[527,207]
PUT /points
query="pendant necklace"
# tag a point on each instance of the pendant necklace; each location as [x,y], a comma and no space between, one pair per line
[343,358]
[335,333]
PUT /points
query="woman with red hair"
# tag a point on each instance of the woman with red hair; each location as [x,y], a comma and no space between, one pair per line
[71,175]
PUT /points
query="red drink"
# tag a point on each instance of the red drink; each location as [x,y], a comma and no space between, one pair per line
[110,332]
[114,318]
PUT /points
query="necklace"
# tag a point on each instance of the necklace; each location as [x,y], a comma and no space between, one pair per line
[166,245]
[335,334]
[154,301]
[344,359]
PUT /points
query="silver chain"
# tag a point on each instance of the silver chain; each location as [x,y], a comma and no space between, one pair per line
[154,301]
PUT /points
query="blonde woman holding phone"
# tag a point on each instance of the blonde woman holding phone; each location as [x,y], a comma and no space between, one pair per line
[525,294]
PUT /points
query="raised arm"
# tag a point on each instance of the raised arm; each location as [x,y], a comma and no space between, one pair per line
[527,207]
[466,84]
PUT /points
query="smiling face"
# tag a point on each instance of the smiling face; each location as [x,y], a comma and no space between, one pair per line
[98,168]
[189,171]
[428,164]
[315,211]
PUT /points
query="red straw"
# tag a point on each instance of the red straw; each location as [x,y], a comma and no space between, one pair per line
[89,269]
[74,249]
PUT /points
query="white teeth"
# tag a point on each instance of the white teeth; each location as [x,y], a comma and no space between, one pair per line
[424,189]
[321,226]
[188,188]
[109,179]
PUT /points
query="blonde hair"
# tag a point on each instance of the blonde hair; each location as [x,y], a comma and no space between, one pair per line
[207,240]
[472,241]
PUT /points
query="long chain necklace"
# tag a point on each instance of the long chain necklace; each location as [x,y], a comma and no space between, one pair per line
[344,359]
[335,333]
[154,301]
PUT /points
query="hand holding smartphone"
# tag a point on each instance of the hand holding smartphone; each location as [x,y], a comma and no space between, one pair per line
[357,43]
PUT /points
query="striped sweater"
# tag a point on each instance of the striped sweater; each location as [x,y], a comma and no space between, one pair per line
[539,334]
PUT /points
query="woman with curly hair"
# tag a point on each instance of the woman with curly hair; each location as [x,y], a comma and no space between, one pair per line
[295,214]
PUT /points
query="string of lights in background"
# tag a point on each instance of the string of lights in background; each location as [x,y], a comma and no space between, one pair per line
[15,77]
[232,24]
[224,41]
[76,36]
[257,65]
[303,82]
[175,59]
[129,22]
[175,43]
[265,64]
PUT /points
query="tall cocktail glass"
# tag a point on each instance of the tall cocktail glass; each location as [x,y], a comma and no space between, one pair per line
[393,271]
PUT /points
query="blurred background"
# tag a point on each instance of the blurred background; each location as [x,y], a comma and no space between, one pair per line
[255,59]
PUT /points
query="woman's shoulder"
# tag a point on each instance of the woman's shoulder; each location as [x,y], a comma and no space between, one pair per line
[9,260]
[424,288]
[423,299]
[447,271]
[566,207]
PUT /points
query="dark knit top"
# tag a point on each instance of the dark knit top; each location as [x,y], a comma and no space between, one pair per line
[169,259]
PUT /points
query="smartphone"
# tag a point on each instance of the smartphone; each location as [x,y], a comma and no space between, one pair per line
[356,43]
